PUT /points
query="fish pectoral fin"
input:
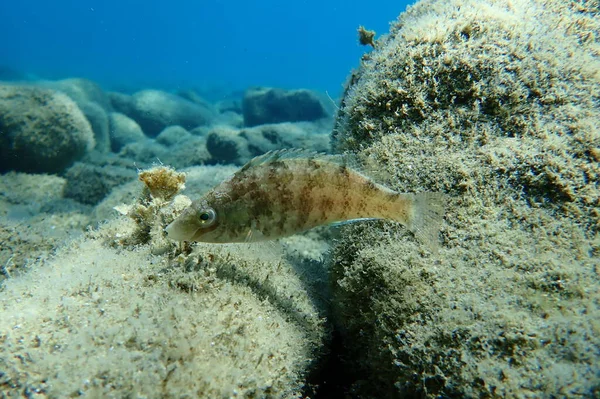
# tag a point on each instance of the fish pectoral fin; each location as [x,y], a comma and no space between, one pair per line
[254,235]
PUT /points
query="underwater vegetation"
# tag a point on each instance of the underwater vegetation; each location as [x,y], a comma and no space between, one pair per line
[493,103]
[497,104]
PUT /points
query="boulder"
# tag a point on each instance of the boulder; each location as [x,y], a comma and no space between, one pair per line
[272,105]
[495,105]
[41,130]
[154,110]
[172,135]
[89,184]
[80,90]
[123,130]
[238,146]
[99,122]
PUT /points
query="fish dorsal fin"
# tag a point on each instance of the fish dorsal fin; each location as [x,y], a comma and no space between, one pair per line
[299,153]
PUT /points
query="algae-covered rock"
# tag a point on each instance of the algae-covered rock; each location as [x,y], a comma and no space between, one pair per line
[229,145]
[35,218]
[89,184]
[154,110]
[110,316]
[271,105]
[41,130]
[124,130]
[496,104]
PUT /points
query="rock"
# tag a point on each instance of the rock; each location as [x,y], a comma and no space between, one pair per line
[237,322]
[154,110]
[230,118]
[79,90]
[498,107]
[226,146]
[193,96]
[229,145]
[41,130]
[145,153]
[120,102]
[98,119]
[278,136]
[172,135]
[123,130]
[89,184]
[270,105]
[229,105]
[93,102]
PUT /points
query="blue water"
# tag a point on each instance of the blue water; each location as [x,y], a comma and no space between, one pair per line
[213,46]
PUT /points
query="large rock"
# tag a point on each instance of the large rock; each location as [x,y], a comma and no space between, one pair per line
[496,104]
[89,184]
[271,105]
[154,110]
[229,145]
[99,122]
[41,130]
[123,130]
[93,102]
[100,319]
[80,90]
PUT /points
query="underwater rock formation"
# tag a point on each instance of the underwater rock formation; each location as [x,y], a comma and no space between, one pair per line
[229,145]
[41,130]
[123,130]
[270,105]
[93,102]
[154,110]
[124,312]
[496,104]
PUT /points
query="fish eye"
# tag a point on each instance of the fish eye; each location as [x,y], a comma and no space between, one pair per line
[207,216]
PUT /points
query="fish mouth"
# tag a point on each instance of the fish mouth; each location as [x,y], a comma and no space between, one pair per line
[178,232]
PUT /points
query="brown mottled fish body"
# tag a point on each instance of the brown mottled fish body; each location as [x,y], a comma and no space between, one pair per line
[286,192]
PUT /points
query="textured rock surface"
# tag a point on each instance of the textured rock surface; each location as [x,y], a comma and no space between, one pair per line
[496,104]
[89,184]
[41,130]
[108,320]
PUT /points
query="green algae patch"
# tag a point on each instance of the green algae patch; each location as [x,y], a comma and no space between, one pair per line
[496,104]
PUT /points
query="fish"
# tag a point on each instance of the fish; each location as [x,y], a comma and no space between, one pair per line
[286,192]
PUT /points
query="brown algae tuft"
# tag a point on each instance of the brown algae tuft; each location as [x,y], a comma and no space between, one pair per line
[162,182]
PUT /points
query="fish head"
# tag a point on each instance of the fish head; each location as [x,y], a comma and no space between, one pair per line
[197,223]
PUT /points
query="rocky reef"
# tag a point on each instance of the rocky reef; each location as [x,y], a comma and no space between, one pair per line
[496,104]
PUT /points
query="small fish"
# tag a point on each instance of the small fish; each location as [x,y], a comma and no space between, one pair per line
[286,192]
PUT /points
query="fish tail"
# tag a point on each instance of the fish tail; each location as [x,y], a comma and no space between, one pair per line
[426,218]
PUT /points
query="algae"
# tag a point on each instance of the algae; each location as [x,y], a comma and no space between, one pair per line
[123,312]
[497,104]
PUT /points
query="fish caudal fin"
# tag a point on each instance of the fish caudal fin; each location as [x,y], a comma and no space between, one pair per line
[426,218]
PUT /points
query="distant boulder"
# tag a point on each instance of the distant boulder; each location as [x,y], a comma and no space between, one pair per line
[229,145]
[123,130]
[91,99]
[41,130]
[173,135]
[154,110]
[80,90]
[270,105]
[89,184]
[98,119]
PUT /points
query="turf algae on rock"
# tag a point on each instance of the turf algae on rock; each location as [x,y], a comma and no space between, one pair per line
[496,104]
[122,312]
